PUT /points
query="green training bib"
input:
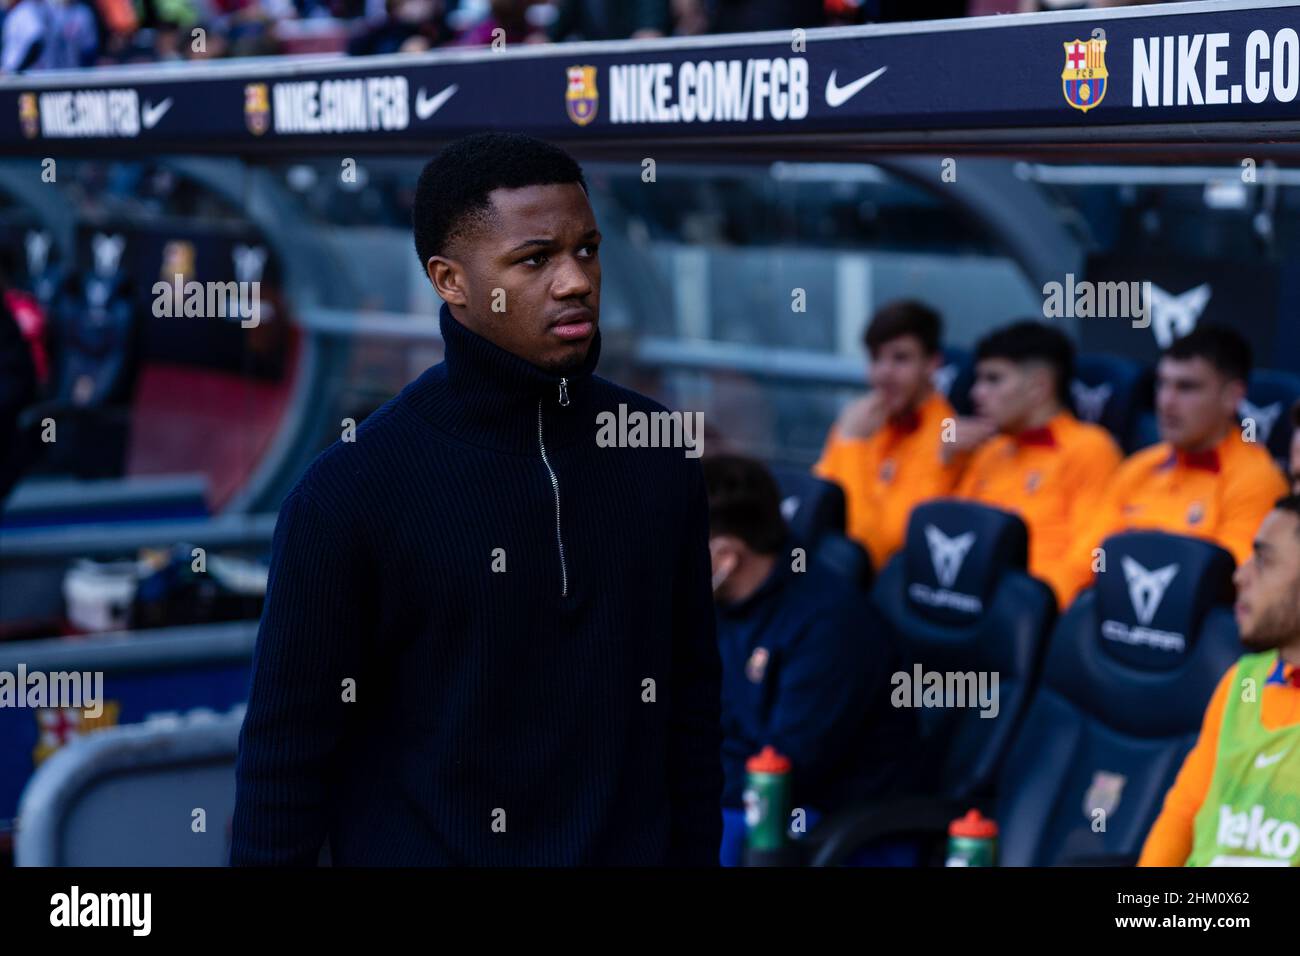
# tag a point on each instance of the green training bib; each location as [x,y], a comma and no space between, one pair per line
[1251,815]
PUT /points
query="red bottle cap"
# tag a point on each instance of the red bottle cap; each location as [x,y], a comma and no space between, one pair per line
[973,825]
[768,760]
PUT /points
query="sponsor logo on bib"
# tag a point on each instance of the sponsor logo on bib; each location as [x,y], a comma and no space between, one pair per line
[1255,833]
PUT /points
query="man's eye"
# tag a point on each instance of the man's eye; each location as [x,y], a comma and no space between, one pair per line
[537,259]
[591,249]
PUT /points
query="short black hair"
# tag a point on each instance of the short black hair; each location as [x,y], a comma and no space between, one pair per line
[452,192]
[1222,347]
[744,501]
[1031,341]
[904,317]
[1290,504]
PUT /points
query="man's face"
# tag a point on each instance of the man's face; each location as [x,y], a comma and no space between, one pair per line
[726,552]
[900,371]
[1268,585]
[530,281]
[1005,392]
[1194,402]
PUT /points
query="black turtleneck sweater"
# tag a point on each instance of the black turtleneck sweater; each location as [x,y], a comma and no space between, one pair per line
[527,623]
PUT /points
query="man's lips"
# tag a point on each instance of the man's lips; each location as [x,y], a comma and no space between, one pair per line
[576,324]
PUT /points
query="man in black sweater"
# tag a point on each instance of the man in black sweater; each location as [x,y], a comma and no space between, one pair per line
[488,637]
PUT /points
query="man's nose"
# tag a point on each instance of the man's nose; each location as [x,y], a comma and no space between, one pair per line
[571,280]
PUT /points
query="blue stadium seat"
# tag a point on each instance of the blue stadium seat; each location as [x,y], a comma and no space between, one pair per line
[50,286]
[810,505]
[842,555]
[1268,401]
[1146,432]
[1108,391]
[954,379]
[1130,669]
[95,336]
[959,599]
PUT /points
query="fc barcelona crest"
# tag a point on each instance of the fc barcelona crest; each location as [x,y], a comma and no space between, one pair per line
[177,258]
[1084,78]
[581,98]
[28,115]
[257,108]
[57,726]
[1104,794]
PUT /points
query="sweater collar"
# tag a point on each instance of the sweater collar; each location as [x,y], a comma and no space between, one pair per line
[486,396]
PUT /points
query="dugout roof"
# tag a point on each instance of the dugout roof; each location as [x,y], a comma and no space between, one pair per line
[1216,72]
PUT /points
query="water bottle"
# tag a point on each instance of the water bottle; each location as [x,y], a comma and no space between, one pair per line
[972,841]
[767,799]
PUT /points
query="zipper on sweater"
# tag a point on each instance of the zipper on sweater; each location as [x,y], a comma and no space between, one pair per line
[555,486]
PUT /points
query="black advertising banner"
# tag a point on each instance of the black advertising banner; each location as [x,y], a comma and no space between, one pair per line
[1229,69]
[1181,292]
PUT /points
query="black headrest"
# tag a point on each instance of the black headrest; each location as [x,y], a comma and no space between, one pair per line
[1105,391]
[810,505]
[955,377]
[1155,593]
[94,291]
[841,554]
[955,553]
[1268,403]
[52,281]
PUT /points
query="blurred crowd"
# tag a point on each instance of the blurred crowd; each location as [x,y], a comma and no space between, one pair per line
[67,34]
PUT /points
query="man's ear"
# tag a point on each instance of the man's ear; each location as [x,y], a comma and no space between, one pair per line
[726,550]
[1233,392]
[1042,380]
[448,279]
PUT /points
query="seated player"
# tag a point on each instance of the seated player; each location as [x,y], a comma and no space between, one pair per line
[884,448]
[1204,479]
[806,661]
[1236,800]
[1043,463]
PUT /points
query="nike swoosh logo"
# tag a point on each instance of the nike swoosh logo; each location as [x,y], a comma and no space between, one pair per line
[426,107]
[1261,761]
[839,95]
[150,115]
